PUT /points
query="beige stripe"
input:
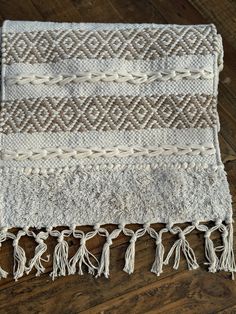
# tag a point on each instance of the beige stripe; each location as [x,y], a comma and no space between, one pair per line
[130,44]
[108,113]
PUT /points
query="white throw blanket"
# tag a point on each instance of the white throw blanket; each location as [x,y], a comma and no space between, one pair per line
[111,124]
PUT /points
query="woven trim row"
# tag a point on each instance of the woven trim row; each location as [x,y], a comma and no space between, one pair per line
[135,151]
[111,76]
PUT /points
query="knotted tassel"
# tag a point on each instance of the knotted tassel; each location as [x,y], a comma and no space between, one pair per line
[40,249]
[230,257]
[227,259]
[224,248]
[60,255]
[3,273]
[210,251]
[182,244]
[159,256]
[105,257]
[19,256]
[83,256]
[130,251]
[4,235]
[157,266]
[130,256]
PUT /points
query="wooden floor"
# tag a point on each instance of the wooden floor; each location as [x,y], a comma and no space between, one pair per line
[175,291]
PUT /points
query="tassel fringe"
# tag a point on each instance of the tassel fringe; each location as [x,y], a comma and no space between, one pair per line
[83,256]
[210,250]
[40,249]
[105,257]
[60,256]
[157,266]
[218,258]
[227,259]
[4,235]
[19,256]
[182,244]
[130,252]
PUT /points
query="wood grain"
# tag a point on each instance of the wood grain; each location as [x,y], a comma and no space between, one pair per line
[174,292]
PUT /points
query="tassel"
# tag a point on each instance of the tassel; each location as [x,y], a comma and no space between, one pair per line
[83,256]
[60,255]
[227,259]
[210,251]
[130,256]
[130,252]
[157,266]
[224,248]
[3,273]
[210,254]
[230,257]
[40,249]
[19,256]
[182,244]
[158,262]
[105,257]
[4,234]
[176,246]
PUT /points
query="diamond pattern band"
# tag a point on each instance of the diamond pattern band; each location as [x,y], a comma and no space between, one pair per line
[108,113]
[130,44]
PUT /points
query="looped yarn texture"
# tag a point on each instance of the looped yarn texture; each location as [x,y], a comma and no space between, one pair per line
[112,76]
[80,153]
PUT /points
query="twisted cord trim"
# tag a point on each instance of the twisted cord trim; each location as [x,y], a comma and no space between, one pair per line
[111,76]
[135,151]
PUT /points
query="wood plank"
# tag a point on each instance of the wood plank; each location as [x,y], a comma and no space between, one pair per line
[19,10]
[228,310]
[228,126]
[227,152]
[223,13]
[181,294]
[137,11]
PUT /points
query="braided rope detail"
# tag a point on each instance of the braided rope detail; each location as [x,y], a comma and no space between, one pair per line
[111,76]
[135,151]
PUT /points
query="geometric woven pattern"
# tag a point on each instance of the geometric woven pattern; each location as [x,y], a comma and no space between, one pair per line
[130,44]
[108,113]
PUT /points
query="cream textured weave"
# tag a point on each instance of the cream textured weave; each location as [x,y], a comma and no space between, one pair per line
[111,124]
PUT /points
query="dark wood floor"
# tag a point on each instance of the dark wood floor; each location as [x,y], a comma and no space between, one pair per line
[175,291]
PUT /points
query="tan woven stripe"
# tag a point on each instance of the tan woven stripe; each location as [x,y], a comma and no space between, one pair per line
[130,44]
[108,113]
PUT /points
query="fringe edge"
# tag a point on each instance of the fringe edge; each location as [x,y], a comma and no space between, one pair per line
[219,258]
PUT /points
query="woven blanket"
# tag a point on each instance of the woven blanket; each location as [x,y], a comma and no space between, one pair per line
[111,124]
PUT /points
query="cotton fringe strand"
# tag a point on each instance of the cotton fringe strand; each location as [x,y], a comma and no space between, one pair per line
[220,258]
